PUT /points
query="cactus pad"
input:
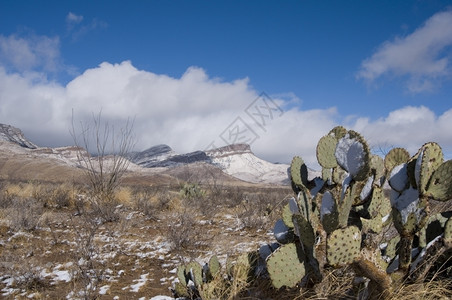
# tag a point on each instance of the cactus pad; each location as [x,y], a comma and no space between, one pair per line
[195,271]
[338,132]
[433,228]
[325,151]
[299,173]
[286,266]
[429,159]
[182,275]
[440,185]
[352,154]
[303,229]
[374,225]
[378,167]
[395,157]
[448,232]
[287,214]
[343,246]
[214,266]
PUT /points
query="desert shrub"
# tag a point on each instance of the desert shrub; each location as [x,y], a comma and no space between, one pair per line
[258,210]
[24,214]
[185,233]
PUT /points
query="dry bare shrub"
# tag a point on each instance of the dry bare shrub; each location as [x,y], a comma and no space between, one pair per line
[185,233]
[19,273]
[88,272]
[102,153]
[24,214]
[63,196]
[124,196]
[181,233]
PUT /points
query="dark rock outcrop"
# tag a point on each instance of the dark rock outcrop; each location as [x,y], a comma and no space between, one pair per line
[15,135]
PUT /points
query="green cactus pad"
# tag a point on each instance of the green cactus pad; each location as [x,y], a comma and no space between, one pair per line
[327,175]
[299,173]
[286,266]
[353,155]
[433,228]
[214,266]
[374,225]
[378,168]
[182,275]
[378,204]
[409,212]
[392,247]
[303,229]
[440,184]
[326,148]
[181,290]
[346,203]
[339,175]
[338,132]
[430,158]
[195,270]
[287,215]
[363,191]
[343,246]
[395,157]
[305,204]
[448,232]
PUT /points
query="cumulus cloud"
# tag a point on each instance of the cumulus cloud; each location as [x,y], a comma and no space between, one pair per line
[30,53]
[194,112]
[423,57]
[409,127]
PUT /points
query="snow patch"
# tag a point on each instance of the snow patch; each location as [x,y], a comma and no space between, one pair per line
[407,203]
[350,154]
[327,206]
[398,179]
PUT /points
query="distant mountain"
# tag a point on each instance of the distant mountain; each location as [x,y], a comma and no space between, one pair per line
[15,135]
[164,156]
[236,160]
[239,161]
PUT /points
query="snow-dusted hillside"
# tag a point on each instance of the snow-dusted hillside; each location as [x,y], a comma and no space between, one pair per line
[239,161]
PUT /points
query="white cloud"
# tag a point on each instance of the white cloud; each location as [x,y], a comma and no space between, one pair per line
[423,57]
[409,127]
[31,53]
[76,27]
[72,18]
[190,112]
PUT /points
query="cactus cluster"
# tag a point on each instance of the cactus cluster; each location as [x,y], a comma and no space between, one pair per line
[342,219]
[194,278]
[338,220]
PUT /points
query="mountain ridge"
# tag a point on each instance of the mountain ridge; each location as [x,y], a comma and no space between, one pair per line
[236,160]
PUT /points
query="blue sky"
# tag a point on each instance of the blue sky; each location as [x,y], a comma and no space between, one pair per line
[190,72]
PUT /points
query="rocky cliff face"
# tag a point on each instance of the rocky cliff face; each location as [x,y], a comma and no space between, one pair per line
[164,156]
[15,135]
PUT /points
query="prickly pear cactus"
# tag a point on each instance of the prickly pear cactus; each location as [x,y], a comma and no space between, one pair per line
[343,246]
[286,266]
[440,183]
[326,149]
[343,219]
[298,174]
